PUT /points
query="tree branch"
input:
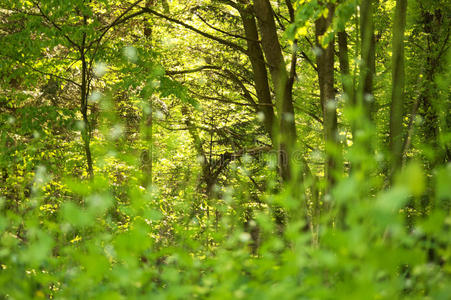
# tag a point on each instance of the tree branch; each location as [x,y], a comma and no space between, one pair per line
[42,72]
[290,10]
[198,69]
[246,93]
[192,28]
[222,31]
[223,100]
[118,21]
[229,74]
[56,26]
[310,62]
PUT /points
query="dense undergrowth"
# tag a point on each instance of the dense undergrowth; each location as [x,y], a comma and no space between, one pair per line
[111,238]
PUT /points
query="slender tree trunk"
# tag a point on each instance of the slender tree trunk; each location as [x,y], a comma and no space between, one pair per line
[364,99]
[86,132]
[348,90]
[346,79]
[343,57]
[325,62]
[147,154]
[368,66]
[396,112]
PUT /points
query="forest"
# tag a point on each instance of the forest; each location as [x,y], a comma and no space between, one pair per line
[225,149]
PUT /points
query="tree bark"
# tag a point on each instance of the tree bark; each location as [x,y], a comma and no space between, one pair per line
[343,58]
[434,111]
[396,109]
[86,132]
[368,66]
[260,73]
[282,85]
[346,79]
[147,154]
[325,62]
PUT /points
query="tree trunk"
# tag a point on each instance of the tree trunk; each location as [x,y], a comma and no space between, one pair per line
[396,109]
[86,132]
[147,154]
[325,62]
[435,113]
[368,66]
[343,58]
[346,78]
[282,85]
[260,73]
[364,99]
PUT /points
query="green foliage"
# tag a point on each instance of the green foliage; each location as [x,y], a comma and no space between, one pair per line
[159,255]
[186,200]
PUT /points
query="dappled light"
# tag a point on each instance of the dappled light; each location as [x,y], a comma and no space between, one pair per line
[225,149]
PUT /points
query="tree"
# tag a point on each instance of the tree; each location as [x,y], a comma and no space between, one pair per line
[325,62]
[398,77]
[81,32]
